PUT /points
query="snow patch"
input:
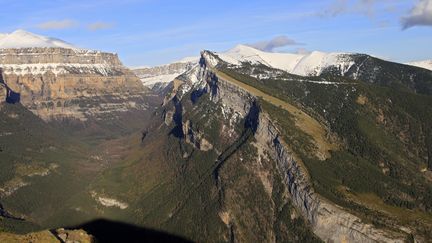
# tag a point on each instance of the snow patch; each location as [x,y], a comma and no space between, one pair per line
[4,134]
[109,202]
[56,68]
[160,79]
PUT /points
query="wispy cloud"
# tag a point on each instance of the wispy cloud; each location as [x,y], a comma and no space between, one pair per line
[364,7]
[368,7]
[278,16]
[57,24]
[337,7]
[420,15]
[99,26]
[277,42]
[68,24]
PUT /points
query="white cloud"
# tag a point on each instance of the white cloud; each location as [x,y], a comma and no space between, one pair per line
[57,24]
[274,43]
[420,15]
[99,26]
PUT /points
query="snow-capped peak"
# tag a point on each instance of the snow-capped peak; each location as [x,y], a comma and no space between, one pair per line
[301,64]
[25,39]
[427,64]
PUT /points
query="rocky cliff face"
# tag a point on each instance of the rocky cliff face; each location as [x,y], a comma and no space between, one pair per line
[56,55]
[328,221]
[2,93]
[58,83]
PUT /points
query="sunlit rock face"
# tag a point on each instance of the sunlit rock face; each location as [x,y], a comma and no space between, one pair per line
[58,83]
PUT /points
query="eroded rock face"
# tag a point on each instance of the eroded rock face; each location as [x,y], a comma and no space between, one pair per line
[57,83]
[2,94]
[56,55]
[329,222]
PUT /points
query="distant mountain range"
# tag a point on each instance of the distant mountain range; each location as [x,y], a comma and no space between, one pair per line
[159,77]
[312,64]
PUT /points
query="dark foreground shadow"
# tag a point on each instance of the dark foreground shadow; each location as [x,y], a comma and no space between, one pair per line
[106,231]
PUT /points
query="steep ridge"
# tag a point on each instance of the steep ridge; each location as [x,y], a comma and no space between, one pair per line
[334,102]
[303,121]
[330,223]
[234,142]
[201,173]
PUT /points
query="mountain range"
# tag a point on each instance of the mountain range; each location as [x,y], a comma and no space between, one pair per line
[236,146]
[312,64]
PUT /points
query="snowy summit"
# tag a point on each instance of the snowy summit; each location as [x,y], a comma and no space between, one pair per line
[305,65]
[24,39]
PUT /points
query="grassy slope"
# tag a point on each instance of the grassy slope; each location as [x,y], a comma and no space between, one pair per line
[303,121]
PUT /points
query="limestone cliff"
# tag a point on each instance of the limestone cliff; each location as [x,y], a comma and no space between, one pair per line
[57,83]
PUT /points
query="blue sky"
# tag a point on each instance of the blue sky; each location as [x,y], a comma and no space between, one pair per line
[150,32]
